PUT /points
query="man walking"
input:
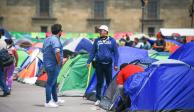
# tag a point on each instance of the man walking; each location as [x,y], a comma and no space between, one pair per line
[52,60]
[105,52]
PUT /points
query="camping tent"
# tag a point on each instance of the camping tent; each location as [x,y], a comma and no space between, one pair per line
[158,55]
[112,95]
[31,67]
[42,79]
[185,54]
[22,55]
[79,44]
[74,74]
[171,83]
[166,85]
[23,43]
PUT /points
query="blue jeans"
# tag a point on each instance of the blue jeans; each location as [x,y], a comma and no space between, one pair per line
[102,71]
[51,86]
[2,81]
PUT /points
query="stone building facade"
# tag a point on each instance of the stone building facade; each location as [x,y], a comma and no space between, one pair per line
[84,15]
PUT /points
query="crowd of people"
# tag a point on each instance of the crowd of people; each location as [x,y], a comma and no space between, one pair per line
[143,43]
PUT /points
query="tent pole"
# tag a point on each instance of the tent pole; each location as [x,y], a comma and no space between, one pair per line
[89,73]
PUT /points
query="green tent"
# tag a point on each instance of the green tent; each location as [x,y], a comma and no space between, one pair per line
[74,74]
[159,56]
[22,55]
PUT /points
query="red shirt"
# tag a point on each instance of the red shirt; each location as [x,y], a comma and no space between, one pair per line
[126,72]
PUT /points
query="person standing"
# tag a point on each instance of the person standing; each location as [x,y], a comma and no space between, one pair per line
[10,69]
[2,75]
[105,52]
[52,61]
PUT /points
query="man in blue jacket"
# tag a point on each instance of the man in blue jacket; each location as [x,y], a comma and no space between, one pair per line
[105,52]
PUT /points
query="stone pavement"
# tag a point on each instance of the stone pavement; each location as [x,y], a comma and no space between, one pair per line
[30,98]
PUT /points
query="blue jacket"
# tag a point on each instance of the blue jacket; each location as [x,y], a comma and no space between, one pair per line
[105,51]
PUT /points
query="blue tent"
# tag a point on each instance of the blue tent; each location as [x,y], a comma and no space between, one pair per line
[79,44]
[185,54]
[174,42]
[152,41]
[165,85]
[126,55]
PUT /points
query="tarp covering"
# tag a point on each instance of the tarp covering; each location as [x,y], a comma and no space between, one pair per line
[185,54]
[182,32]
[74,74]
[166,85]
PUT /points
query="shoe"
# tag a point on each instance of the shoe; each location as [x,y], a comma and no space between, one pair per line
[60,101]
[51,104]
[97,103]
[6,94]
[111,106]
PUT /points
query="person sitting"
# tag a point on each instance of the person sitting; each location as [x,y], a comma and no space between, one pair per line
[122,42]
[145,45]
[136,43]
[128,41]
[160,43]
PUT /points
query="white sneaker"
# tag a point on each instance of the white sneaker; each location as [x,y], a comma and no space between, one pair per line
[97,103]
[112,105]
[60,101]
[51,104]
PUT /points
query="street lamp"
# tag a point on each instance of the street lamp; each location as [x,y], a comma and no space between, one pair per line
[191,11]
[143,3]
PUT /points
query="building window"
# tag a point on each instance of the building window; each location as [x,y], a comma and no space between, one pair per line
[151,31]
[99,8]
[44,6]
[152,9]
[44,28]
[1,21]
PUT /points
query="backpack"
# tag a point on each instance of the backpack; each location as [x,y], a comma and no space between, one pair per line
[5,58]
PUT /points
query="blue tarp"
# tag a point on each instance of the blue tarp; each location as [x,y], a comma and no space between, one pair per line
[185,54]
[162,87]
